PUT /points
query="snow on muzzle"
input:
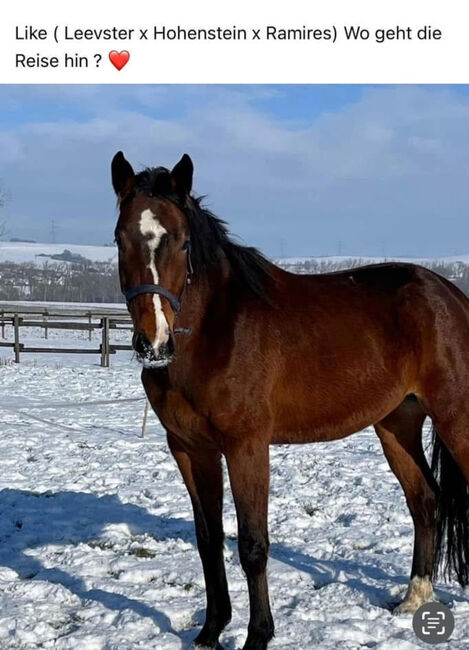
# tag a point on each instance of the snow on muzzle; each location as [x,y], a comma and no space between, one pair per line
[152,339]
[148,355]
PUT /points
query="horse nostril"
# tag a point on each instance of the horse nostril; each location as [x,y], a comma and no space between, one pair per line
[141,344]
[166,349]
[170,346]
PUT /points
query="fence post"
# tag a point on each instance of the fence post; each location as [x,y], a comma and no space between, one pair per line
[3,324]
[16,326]
[89,321]
[44,318]
[105,342]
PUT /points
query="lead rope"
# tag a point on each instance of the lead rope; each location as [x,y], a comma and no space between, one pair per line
[145,415]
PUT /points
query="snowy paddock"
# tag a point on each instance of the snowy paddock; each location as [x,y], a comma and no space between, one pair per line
[97,545]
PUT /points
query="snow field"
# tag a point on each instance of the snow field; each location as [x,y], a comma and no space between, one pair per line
[97,545]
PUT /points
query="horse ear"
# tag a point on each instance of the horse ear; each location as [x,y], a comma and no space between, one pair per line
[182,175]
[123,176]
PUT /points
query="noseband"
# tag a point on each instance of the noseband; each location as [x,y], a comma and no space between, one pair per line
[130,294]
[173,300]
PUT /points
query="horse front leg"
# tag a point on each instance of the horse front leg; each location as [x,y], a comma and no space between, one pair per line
[248,467]
[203,476]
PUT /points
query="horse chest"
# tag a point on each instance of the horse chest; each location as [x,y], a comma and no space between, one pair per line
[180,417]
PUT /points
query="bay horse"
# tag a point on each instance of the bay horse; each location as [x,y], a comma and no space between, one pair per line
[239,354]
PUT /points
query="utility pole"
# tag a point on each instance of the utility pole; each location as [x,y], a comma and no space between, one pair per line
[53,231]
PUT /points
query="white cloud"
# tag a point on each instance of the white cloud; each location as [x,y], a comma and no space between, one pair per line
[388,171]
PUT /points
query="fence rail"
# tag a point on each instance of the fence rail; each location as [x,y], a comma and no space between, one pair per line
[48,318]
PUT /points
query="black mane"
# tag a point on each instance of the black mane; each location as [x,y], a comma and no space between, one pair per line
[209,235]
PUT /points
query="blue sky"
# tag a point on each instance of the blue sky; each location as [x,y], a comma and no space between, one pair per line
[295,170]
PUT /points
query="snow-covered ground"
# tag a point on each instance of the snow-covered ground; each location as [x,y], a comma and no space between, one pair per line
[97,546]
[24,306]
[20,252]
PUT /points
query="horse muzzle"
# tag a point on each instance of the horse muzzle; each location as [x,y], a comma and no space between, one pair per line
[148,356]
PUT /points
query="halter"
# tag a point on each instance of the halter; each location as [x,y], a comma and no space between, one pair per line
[173,300]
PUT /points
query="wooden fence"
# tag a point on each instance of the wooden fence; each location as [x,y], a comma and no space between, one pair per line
[64,318]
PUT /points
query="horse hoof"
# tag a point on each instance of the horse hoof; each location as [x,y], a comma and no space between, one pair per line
[409,606]
[405,607]
[419,592]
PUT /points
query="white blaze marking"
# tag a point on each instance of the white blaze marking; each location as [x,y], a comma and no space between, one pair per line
[150,227]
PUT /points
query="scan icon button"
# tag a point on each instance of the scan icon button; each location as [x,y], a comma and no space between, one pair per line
[433,623]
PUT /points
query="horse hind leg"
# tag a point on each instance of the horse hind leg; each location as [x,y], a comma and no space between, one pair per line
[400,434]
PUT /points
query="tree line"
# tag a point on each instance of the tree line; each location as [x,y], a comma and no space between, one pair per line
[60,282]
[456,272]
[98,281]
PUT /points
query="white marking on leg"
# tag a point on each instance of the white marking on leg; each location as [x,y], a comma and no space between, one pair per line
[419,591]
[150,227]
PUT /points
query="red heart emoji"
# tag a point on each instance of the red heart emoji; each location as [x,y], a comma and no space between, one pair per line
[119,59]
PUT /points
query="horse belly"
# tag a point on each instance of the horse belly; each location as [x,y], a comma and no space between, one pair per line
[330,411]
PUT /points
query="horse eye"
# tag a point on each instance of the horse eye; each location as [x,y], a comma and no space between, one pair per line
[186,245]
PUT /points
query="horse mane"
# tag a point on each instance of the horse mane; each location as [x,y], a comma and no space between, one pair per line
[210,236]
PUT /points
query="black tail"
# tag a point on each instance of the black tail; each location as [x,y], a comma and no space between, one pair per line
[452,521]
